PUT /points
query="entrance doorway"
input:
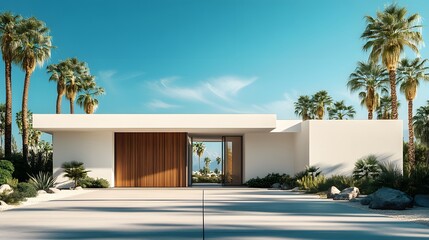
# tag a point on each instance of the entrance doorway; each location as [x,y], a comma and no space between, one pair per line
[215,160]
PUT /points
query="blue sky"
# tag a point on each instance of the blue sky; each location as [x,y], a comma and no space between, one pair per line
[224,56]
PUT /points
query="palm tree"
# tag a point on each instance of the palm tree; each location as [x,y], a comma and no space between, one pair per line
[74,83]
[34,49]
[321,100]
[421,124]
[384,109]
[340,111]
[368,79]
[8,35]
[60,73]
[386,36]
[75,171]
[207,162]
[2,125]
[367,167]
[87,99]
[199,148]
[410,73]
[304,107]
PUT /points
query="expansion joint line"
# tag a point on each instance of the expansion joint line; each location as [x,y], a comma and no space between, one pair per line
[202,205]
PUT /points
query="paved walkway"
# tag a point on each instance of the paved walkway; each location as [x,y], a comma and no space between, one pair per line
[192,214]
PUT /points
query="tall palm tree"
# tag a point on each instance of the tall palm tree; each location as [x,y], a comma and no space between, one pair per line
[34,49]
[410,73]
[384,109]
[60,73]
[74,83]
[368,79]
[386,36]
[421,124]
[87,99]
[340,111]
[8,35]
[199,148]
[304,107]
[321,100]
[2,125]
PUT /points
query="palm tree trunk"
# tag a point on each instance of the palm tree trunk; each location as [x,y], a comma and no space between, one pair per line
[411,156]
[8,118]
[392,78]
[71,106]
[25,114]
[369,115]
[59,99]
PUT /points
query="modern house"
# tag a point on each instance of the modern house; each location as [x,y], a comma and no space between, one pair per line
[155,150]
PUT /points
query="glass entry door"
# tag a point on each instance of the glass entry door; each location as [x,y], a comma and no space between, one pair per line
[233,161]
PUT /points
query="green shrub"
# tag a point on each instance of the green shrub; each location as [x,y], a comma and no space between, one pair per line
[311,184]
[6,171]
[417,181]
[366,185]
[367,167]
[390,176]
[89,182]
[12,182]
[269,180]
[339,181]
[26,189]
[14,198]
[42,181]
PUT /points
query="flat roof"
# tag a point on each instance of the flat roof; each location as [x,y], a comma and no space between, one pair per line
[191,123]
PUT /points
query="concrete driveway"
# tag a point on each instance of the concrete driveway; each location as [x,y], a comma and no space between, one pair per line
[194,213]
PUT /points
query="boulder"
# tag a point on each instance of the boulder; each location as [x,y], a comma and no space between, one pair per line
[41,192]
[421,200]
[367,200]
[276,185]
[332,191]
[295,189]
[6,189]
[78,188]
[388,198]
[347,194]
[53,190]
[2,203]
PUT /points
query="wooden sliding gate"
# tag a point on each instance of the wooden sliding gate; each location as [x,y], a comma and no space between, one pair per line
[150,159]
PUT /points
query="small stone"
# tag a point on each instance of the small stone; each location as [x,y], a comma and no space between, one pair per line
[78,188]
[347,194]
[332,191]
[295,189]
[276,185]
[2,203]
[53,190]
[366,200]
[41,192]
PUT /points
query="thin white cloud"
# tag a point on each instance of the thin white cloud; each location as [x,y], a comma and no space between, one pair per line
[226,87]
[160,104]
[112,79]
[283,107]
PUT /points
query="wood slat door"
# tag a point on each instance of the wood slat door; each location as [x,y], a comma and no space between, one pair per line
[150,159]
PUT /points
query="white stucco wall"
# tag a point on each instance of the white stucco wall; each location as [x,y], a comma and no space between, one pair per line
[94,149]
[268,153]
[301,147]
[335,146]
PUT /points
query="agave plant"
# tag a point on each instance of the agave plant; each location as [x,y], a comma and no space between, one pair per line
[42,181]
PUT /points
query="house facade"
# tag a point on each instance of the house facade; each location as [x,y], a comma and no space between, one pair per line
[155,150]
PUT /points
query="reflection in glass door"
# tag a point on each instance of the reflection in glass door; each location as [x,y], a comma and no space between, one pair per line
[233,159]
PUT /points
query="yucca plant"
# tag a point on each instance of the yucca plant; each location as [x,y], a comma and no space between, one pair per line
[75,171]
[42,181]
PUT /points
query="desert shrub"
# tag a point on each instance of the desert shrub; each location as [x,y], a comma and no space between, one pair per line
[269,180]
[417,181]
[42,181]
[75,171]
[366,185]
[12,182]
[6,171]
[367,167]
[311,184]
[89,182]
[390,176]
[26,189]
[207,178]
[13,198]
[339,181]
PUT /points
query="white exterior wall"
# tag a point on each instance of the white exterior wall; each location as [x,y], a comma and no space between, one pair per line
[266,153]
[335,146]
[94,149]
[302,148]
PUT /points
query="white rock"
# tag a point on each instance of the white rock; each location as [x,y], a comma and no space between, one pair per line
[347,194]
[78,188]
[295,189]
[41,192]
[332,191]
[6,189]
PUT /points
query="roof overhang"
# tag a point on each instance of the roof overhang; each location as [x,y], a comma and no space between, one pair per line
[191,123]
